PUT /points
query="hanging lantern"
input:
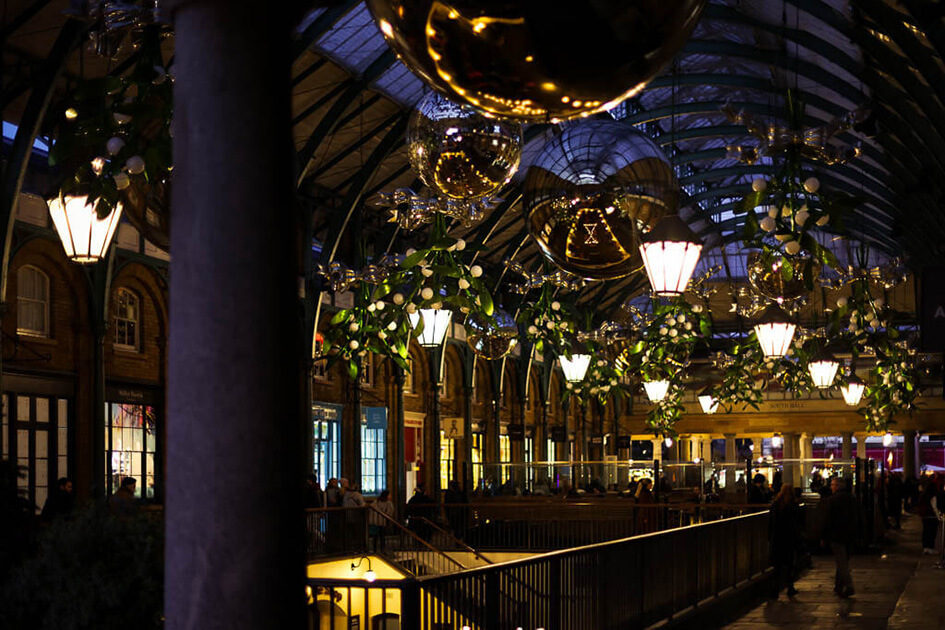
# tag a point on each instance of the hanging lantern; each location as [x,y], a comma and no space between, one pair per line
[776,441]
[435,324]
[83,229]
[708,402]
[823,369]
[888,440]
[656,390]
[853,390]
[574,368]
[668,441]
[775,332]
[670,252]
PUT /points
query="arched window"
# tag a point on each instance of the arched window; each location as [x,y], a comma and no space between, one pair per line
[127,320]
[32,302]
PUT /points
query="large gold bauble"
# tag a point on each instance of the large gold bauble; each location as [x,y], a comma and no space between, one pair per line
[537,59]
[768,280]
[460,153]
[592,193]
[491,339]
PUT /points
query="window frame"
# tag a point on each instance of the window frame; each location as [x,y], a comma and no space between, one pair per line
[20,298]
[136,346]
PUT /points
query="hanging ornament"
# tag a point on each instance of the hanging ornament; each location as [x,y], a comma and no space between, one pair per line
[591,194]
[811,143]
[767,276]
[532,61]
[460,153]
[491,339]
[412,211]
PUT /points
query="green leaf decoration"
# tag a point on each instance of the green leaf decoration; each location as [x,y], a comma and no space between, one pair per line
[413,259]
[340,316]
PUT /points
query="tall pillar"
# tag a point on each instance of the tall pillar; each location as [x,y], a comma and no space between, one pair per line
[806,444]
[861,445]
[909,459]
[730,453]
[400,453]
[790,470]
[846,447]
[233,366]
[657,450]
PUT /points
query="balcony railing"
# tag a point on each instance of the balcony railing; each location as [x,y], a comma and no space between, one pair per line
[633,582]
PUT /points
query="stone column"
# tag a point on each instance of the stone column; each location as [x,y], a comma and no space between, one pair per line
[861,445]
[806,448]
[658,450]
[909,451]
[846,448]
[730,452]
[790,469]
[233,365]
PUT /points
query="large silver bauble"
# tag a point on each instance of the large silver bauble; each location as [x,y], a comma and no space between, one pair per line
[592,193]
[491,339]
[537,59]
[769,281]
[460,153]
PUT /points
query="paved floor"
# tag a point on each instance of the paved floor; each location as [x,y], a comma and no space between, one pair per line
[898,589]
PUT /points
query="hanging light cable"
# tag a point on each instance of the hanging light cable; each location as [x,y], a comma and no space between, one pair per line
[671,250]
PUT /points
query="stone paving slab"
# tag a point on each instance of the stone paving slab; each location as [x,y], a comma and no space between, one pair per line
[888,588]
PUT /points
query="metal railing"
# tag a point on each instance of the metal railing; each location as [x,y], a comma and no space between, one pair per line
[633,582]
[411,551]
[336,532]
[545,526]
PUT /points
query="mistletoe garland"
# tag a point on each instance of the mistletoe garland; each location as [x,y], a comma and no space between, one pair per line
[664,414]
[867,325]
[893,391]
[117,130]
[741,383]
[601,381]
[669,335]
[434,277]
[548,323]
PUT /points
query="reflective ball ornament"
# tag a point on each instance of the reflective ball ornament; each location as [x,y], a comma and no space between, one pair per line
[768,279]
[537,60]
[592,192]
[459,152]
[491,339]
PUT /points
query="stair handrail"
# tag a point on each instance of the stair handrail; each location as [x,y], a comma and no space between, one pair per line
[418,538]
[454,539]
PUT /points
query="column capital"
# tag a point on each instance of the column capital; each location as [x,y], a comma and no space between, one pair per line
[729,436]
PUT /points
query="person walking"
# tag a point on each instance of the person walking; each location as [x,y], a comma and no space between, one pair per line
[926,509]
[646,515]
[840,531]
[783,536]
[756,493]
